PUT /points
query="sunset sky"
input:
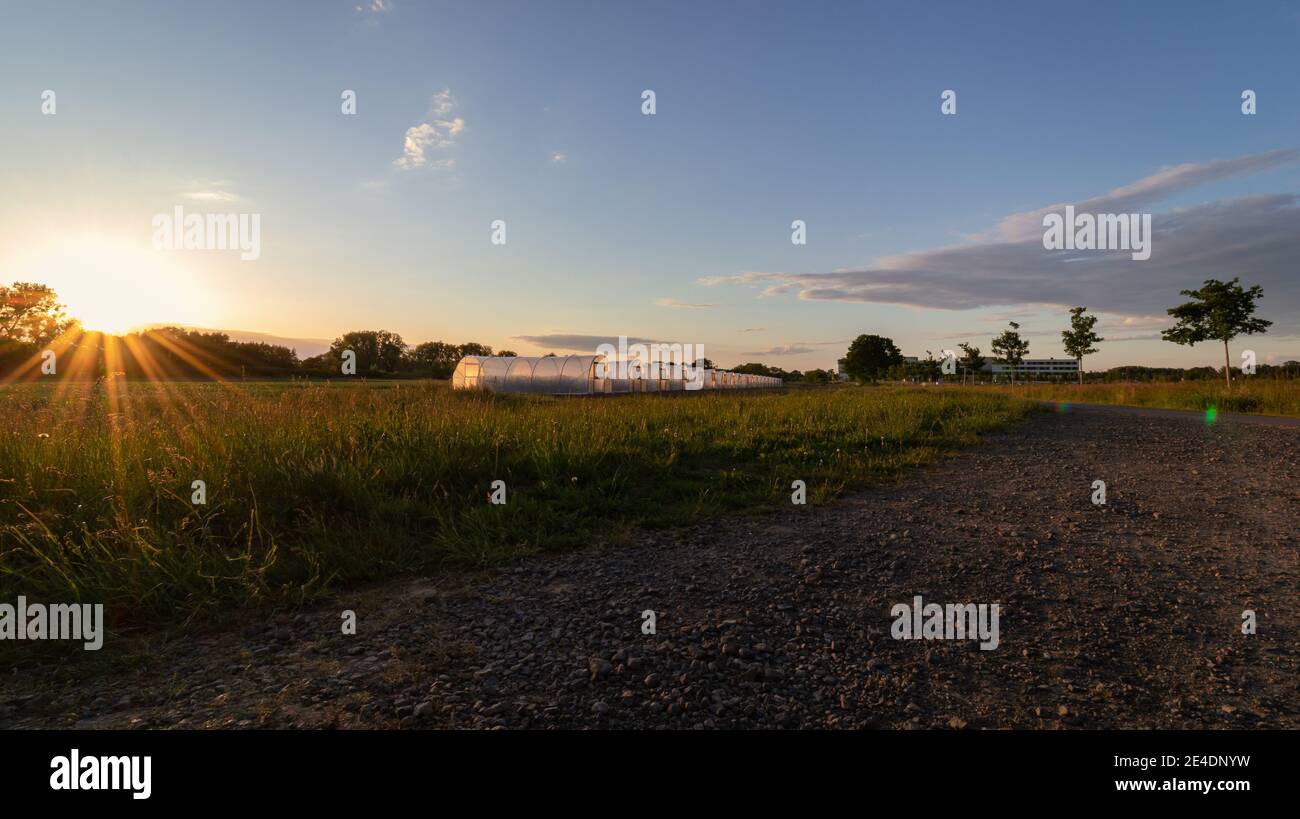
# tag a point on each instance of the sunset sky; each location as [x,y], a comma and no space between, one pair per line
[675,227]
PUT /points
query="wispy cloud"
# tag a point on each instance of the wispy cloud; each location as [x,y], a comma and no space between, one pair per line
[437,133]
[1255,237]
[670,302]
[211,196]
[374,7]
[785,349]
[577,342]
[209,190]
[558,158]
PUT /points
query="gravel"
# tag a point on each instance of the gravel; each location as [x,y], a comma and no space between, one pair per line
[1126,615]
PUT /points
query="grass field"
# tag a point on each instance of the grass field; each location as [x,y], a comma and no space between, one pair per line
[309,486]
[1248,396]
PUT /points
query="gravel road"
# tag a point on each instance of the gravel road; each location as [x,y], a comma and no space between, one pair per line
[1125,615]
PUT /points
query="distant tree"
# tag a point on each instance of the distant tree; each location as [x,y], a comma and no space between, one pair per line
[708,364]
[472,348]
[437,358]
[1080,338]
[1219,311]
[870,357]
[507,353]
[1010,348]
[753,368]
[31,314]
[376,350]
[970,360]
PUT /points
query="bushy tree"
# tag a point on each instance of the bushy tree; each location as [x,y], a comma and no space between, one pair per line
[31,314]
[436,358]
[1218,311]
[870,357]
[377,351]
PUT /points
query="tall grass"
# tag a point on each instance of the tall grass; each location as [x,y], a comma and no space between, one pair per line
[309,486]
[1248,395]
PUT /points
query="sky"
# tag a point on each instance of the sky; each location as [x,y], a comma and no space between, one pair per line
[675,226]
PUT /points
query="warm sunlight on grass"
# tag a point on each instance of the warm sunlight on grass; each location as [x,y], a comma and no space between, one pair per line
[310,485]
[114,285]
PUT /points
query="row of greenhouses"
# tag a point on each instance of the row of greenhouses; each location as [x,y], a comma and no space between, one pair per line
[593,375]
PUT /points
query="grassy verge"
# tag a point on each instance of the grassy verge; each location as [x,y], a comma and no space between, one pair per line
[309,486]
[1247,396]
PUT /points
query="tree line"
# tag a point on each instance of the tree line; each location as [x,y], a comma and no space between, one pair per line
[1217,312]
[32,321]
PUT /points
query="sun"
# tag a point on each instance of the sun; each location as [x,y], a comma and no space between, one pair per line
[113,285]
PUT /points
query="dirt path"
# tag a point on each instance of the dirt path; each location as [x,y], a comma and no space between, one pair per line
[1123,615]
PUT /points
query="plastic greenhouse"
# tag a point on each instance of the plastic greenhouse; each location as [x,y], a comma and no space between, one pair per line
[587,375]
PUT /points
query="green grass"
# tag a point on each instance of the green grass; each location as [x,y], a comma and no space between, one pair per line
[1257,397]
[312,486]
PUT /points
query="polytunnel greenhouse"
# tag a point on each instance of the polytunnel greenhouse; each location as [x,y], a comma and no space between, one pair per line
[590,375]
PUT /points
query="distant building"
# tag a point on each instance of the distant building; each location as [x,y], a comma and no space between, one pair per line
[1035,368]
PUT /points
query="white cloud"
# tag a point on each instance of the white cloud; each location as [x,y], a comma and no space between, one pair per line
[436,133]
[558,158]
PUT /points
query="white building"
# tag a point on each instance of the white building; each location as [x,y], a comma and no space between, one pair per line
[1032,368]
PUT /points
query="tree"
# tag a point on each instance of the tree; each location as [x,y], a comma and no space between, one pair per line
[870,356]
[1010,348]
[971,360]
[376,350]
[1219,311]
[437,358]
[1078,340]
[31,314]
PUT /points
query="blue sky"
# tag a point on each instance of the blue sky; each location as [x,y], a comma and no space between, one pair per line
[766,113]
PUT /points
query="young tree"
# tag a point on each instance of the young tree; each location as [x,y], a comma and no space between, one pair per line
[970,360]
[1078,340]
[869,357]
[1219,311]
[1010,348]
